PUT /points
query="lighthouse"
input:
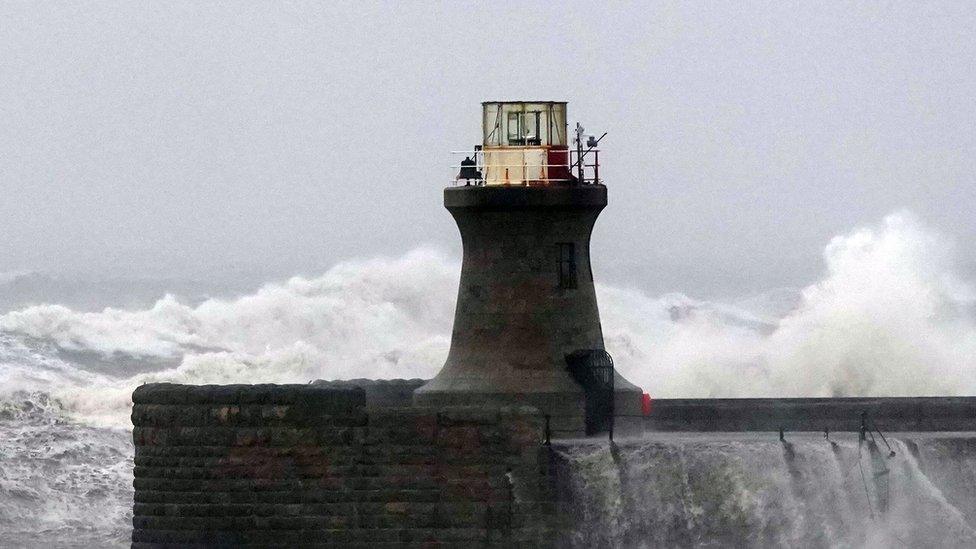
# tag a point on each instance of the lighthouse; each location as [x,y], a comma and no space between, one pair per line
[527,326]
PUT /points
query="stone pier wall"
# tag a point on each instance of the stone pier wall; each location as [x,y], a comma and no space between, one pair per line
[812,414]
[307,466]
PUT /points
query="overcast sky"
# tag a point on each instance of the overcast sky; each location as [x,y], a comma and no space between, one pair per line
[200,139]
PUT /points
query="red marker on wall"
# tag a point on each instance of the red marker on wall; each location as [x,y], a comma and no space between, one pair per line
[646,404]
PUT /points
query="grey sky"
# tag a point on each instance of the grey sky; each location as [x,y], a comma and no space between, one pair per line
[183,139]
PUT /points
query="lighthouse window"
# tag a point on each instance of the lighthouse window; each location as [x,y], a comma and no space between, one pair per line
[530,128]
[514,128]
[524,128]
[567,265]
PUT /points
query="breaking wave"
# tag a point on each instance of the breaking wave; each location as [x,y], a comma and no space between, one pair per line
[62,484]
[889,317]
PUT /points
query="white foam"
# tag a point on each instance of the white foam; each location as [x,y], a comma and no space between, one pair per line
[889,317]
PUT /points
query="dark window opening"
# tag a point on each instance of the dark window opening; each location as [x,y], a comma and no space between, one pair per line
[567,265]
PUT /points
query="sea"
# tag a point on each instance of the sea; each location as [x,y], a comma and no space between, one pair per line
[891,315]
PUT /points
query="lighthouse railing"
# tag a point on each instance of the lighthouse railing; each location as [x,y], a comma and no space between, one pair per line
[518,170]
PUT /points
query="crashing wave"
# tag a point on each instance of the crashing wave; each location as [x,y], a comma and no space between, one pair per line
[889,317]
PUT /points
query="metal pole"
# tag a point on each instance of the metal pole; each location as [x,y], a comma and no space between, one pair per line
[612,395]
[596,167]
[579,155]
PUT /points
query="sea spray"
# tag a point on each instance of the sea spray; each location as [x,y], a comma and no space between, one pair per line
[754,491]
[62,484]
[889,317]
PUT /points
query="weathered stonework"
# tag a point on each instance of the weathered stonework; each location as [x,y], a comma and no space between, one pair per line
[309,466]
[380,393]
[515,322]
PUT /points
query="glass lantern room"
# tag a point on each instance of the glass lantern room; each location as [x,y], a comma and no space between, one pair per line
[525,143]
[520,124]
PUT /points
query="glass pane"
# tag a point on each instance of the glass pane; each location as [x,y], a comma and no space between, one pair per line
[544,126]
[491,124]
[530,128]
[558,125]
[514,131]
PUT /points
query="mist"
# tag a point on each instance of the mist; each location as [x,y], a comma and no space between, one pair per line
[225,145]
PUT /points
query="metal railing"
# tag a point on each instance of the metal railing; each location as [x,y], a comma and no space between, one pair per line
[526,172]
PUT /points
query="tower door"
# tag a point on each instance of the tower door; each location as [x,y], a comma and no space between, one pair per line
[593,370]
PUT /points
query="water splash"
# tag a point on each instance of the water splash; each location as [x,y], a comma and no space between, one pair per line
[751,491]
[61,484]
[889,317]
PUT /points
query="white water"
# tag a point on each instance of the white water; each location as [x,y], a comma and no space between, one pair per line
[62,484]
[754,491]
[890,316]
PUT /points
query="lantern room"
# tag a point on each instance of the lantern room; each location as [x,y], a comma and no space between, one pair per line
[525,143]
[524,124]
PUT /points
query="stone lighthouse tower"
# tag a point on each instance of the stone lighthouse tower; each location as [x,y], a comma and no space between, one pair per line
[527,327]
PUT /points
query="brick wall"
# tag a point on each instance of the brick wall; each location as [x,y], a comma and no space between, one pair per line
[299,465]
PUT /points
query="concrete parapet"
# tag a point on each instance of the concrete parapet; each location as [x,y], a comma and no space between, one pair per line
[383,393]
[813,414]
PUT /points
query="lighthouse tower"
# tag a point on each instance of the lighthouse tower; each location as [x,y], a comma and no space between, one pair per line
[527,327]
